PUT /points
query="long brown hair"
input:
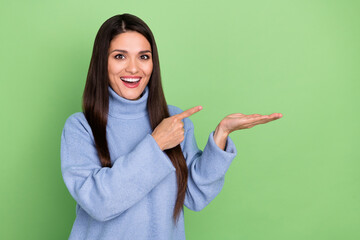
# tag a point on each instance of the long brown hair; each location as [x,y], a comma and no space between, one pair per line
[96,96]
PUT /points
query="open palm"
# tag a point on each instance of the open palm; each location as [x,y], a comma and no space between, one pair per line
[239,121]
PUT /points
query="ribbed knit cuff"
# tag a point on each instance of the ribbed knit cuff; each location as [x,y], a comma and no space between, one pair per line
[215,161]
[155,146]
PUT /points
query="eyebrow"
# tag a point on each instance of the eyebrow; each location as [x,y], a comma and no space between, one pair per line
[124,51]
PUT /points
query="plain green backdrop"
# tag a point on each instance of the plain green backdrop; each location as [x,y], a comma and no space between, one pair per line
[295,178]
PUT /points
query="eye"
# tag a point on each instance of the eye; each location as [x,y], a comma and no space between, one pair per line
[145,57]
[119,56]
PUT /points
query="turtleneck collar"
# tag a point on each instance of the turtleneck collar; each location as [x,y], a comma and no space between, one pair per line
[120,107]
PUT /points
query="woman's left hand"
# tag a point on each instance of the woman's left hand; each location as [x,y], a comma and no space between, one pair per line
[238,121]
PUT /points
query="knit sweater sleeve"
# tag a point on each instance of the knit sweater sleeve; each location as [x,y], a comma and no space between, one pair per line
[206,169]
[105,193]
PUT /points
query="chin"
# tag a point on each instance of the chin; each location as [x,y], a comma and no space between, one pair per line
[133,95]
[128,93]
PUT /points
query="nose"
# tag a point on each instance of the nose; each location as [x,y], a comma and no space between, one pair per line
[131,66]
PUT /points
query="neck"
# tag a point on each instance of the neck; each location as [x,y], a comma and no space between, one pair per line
[120,107]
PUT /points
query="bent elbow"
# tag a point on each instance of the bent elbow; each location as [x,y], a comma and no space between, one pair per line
[198,208]
[102,214]
[198,197]
[197,205]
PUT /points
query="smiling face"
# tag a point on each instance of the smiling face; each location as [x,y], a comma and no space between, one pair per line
[129,64]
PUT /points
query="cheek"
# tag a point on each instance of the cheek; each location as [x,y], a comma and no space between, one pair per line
[149,69]
[113,68]
[110,68]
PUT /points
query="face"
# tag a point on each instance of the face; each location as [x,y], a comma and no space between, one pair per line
[129,64]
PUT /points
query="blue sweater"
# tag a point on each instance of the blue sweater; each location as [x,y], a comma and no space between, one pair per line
[135,198]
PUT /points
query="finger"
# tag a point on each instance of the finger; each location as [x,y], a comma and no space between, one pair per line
[189,112]
[253,124]
[266,119]
[252,118]
[276,115]
[258,119]
[263,121]
[237,114]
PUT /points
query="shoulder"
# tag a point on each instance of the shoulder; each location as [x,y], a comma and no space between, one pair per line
[77,123]
[173,110]
[76,119]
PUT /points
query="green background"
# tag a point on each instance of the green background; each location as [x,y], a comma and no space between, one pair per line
[294,178]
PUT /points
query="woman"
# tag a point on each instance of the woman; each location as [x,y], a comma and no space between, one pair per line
[130,160]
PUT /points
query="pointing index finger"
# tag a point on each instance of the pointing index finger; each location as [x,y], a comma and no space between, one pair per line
[189,112]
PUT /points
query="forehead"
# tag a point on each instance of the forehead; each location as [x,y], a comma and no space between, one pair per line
[130,41]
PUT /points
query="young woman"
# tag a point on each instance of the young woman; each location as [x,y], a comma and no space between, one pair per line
[130,160]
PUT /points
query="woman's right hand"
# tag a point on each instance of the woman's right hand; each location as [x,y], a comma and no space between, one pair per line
[170,132]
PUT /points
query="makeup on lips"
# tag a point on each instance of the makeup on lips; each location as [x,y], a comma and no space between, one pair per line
[131,81]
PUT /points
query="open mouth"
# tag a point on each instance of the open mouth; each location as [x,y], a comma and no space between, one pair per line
[131,82]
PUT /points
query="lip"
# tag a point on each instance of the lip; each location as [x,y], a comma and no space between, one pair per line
[131,85]
[130,77]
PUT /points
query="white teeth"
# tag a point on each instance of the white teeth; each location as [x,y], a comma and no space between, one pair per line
[130,79]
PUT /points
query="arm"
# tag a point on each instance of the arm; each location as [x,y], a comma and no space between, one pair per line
[104,193]
[206,168]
